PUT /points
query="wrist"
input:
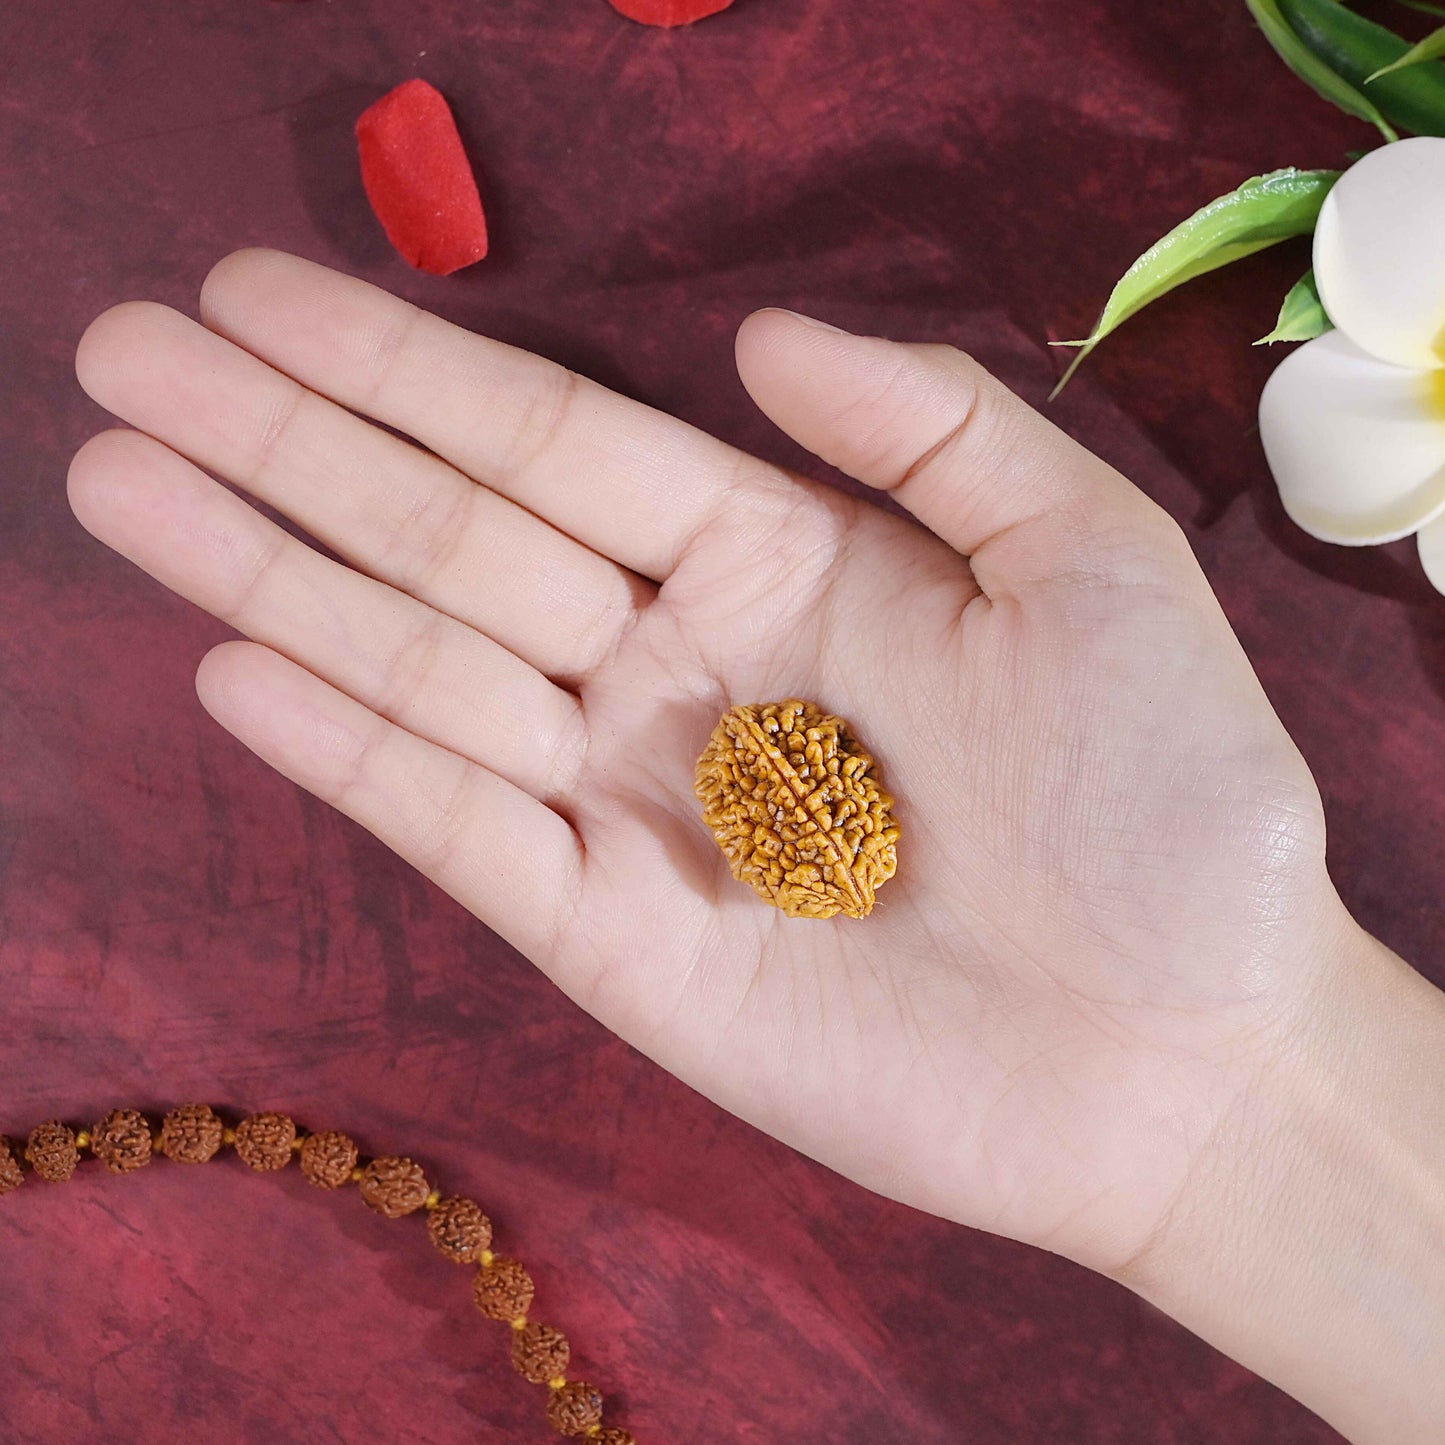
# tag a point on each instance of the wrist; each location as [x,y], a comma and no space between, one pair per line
[1310,1240]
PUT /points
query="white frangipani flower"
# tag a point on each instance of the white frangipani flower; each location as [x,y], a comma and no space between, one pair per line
[1353,422]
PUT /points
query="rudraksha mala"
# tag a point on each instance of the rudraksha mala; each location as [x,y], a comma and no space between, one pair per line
[124,1141]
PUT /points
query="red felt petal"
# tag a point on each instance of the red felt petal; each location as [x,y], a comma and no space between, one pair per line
[419,181]
[668,12]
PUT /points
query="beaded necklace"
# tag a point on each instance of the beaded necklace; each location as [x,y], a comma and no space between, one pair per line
[394,1187]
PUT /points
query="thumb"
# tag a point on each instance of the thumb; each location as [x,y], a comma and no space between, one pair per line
[967,457]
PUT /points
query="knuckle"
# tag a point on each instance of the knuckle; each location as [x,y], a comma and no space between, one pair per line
[427,534]
[276,420]
[385,351]
[963,401]
[566,763]
[544,419]
[439,845]
[354,775]
[884,406]
[408,673]
[602,634]
[262,570]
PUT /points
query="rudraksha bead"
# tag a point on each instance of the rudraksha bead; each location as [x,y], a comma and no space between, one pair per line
[574,1409]
[503,1289]
[122,1141]
[51,1151]
[11,1176]
[540,1353]
[264,1141]
[191,1134]
[328,1158]
[394,1187]
[613,1436]
[459,1229]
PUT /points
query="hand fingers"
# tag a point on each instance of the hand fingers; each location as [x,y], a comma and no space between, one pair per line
[493,847]
[968,458]
[383,504]
[421,669]
[632,483]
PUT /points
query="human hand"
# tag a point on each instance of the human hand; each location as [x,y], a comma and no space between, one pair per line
[1111,917]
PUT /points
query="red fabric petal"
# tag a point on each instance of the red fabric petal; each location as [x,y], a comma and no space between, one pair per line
[419,181]
[668,12]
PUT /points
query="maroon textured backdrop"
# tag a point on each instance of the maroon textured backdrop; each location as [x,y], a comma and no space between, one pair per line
[177,922]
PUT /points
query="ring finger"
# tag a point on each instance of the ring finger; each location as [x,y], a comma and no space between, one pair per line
[413,665]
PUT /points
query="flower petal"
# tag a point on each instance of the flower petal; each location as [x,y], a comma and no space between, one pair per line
[1357,447]
[1432,552]
[1379,260]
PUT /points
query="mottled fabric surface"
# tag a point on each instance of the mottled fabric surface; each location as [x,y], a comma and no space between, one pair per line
[178,923]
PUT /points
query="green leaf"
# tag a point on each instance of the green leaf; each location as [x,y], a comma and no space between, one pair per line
[1426,7]
[1432,47]
[1312,69]
[1355,49]
[1302,317]
[1263,211]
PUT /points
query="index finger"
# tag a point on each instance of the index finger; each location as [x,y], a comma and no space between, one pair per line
[628,481]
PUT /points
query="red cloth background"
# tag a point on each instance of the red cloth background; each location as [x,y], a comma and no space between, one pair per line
[178,923]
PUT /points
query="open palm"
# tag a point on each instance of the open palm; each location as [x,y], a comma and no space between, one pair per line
[1111,887]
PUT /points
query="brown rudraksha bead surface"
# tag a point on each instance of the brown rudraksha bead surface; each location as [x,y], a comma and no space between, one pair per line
[390,1185]
[795,805]
[264,1141]
[328,1158]
[503,1289]
[51,1151]
[574,1409]
[191,1134]
[459,1229]
[394,1187]
[11,1175]
[540,1353]
[122,1141]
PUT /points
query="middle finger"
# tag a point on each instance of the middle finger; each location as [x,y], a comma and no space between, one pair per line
[391,509]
